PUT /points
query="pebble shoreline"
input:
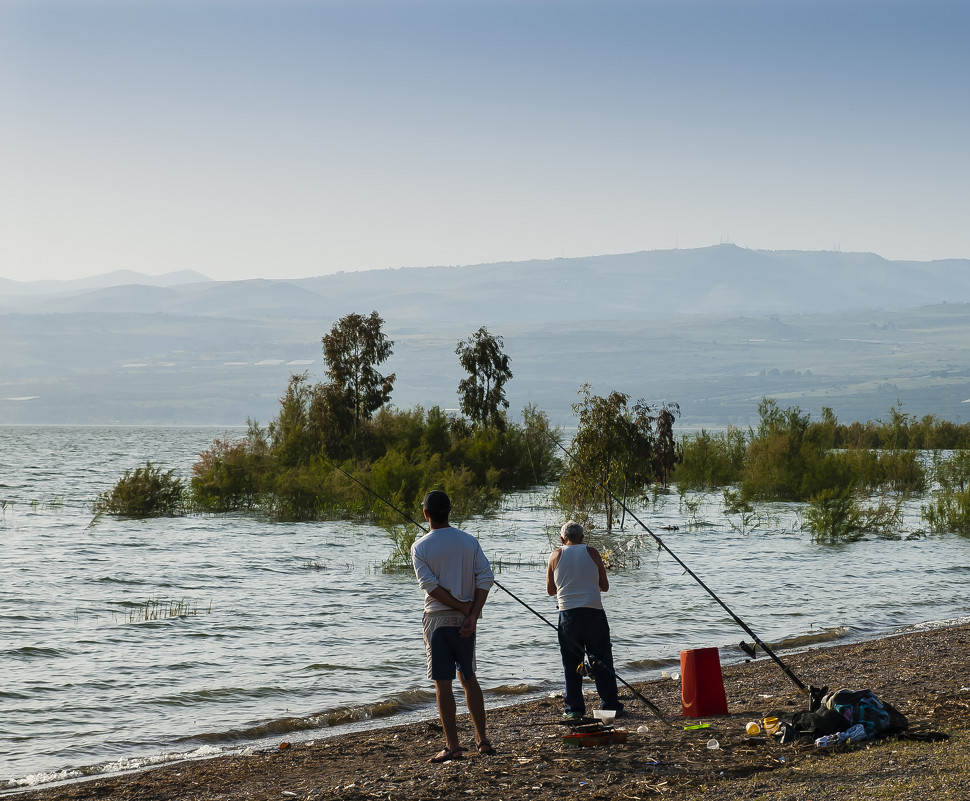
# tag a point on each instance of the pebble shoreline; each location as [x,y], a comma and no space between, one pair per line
[924,673]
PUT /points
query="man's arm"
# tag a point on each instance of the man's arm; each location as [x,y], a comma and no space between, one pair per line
[439,593]
[551,588]
[474,613]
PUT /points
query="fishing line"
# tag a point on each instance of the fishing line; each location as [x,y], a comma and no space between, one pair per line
[600,664]
[750,651]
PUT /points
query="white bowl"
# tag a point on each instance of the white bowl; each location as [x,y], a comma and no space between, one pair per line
[605,715]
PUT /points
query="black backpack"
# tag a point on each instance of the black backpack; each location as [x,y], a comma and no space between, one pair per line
[841,710]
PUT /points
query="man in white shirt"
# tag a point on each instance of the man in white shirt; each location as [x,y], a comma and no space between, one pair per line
[456,577]
[576,575]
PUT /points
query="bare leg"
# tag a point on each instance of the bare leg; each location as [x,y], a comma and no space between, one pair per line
[445,696]
[475,700]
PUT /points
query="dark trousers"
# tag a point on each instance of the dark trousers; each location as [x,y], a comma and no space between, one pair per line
[586,631]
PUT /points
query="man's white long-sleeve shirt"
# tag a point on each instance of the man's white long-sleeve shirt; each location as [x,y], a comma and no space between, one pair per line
[453,560]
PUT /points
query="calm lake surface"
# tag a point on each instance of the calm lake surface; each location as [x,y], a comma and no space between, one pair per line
[294,631]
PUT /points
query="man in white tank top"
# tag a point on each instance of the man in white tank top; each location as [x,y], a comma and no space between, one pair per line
[576,575]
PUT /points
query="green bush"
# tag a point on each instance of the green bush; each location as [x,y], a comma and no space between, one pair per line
[144,492]
[711,460]
[834,516]
[889,470]
[904,431]
[949,512]
[903,471]
[402,537]
[952,471]
[232,475]
[297,495]
[784,461]
[838,515]
[790,457]
[616,455]
[288,473]
[747,518]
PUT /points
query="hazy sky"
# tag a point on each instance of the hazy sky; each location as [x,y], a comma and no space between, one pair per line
[292,138]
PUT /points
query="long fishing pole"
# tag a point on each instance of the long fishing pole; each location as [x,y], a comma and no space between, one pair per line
[798,683]
[599,662]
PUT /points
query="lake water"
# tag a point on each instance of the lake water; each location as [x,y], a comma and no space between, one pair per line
[294,630]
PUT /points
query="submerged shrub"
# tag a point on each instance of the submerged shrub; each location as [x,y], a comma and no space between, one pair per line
[790,457]
[736,505]
[711,460]
[402,537]
[834,516]
[838,515]
[297,494]
[949,512]
[615,456]
[903,471]
[952,471]
[145,492]
[888,470]
[299,469]
[232,475]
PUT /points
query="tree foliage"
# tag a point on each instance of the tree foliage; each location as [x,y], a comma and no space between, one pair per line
[288,474]
[615,453]
[352,350]
[710,459]
[230,475]
[482,393]
[668,453]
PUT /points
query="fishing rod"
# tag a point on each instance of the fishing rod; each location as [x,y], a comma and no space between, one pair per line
[599,663]
[747,649]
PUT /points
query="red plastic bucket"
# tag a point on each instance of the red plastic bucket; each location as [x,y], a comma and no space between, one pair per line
[702,686]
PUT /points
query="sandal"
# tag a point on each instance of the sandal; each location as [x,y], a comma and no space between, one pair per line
[448,754]
[485,748]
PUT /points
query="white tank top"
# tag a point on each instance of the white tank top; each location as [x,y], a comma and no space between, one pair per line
[577,579]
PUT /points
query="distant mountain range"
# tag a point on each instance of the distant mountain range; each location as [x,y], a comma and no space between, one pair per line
[112,279]
[714,329]
[724,279]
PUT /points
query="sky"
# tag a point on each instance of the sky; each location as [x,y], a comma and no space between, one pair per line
[293,138]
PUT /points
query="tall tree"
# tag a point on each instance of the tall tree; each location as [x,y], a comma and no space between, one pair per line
[294,438]
[482,394]
[614,448]
[352,350]
[668,453]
